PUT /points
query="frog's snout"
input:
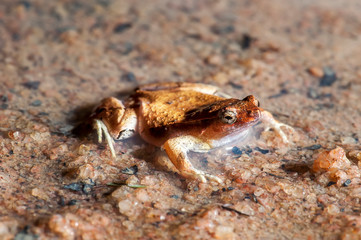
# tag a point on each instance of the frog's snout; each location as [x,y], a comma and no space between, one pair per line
[254,114]
[252,100]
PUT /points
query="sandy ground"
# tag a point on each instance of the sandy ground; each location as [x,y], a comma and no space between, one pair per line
[301,59]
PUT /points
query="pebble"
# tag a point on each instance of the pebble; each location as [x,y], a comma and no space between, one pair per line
[34,85]
[263,151]
[220,78]
[222,30]
[328,78]
[246,41]
[313,147]
[122,27]
[128,207]
[224,232]
[74,186]
[36,103]
[348,140]
[131,170]
[214,60]
[316,71]
[237,151]
[15,135]
[128,77]
[331,161]
[39,193]
[4,98]
[355,155]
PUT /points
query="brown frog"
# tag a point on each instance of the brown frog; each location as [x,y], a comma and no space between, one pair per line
[180,117]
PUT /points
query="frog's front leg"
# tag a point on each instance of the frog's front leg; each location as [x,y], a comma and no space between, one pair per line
[177,148]
[115,121]
[276,125]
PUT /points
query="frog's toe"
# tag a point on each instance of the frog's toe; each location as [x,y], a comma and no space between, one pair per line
[214,178]
[201,176]
[101,128]
[281,132]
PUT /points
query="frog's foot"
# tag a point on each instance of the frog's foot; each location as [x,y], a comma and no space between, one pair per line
[177,148]
[273,123]
[102,128]
[199,175]
[202,176]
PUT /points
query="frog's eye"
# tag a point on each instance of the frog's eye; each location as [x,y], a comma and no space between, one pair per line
[228,116]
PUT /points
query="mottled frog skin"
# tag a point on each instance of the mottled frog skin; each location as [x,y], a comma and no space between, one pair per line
[180,117]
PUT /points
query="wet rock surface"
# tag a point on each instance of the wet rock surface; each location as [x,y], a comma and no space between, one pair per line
[58,59]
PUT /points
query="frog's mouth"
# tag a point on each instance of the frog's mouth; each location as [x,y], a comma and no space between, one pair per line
[236,136]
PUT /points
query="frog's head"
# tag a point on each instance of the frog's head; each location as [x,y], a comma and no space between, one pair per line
[227,119]
[238,115]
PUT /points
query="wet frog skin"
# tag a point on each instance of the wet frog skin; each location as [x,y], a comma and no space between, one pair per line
[180,117]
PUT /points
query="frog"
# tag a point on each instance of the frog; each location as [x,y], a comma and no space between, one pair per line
[181,117]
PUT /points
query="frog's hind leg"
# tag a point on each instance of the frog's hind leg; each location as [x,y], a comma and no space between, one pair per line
[177,148]
[184,86]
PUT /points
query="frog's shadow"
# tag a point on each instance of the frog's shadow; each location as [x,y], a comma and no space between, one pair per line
[80,120]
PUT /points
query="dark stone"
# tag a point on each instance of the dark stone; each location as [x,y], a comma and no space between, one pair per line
[237,151]
[314,94]
[87,188]
[246,41]
[74,186]
[129,77]
[36,103]
[222,30]
[263,151]
[204,162]
[331,183]
[347,183]
[128,48]
[131,170]
[34,85]
[25,234]
[281,93]
[72,202]
[43,114]
[61,201]
[26,4]
[122,27]
[329,77]
[3,98]
[236,85]
[313,147]
[248,151]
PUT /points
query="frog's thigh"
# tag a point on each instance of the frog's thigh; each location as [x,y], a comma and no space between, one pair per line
[184,86]
[203,88]
[177,148]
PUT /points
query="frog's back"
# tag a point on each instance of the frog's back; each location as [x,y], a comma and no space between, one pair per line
[161,108]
